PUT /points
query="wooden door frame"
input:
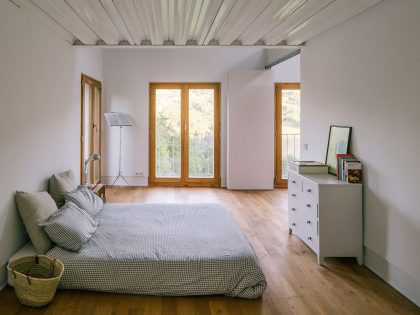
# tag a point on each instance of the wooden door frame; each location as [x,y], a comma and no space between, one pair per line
[92,83]
[278,87]
[184,180]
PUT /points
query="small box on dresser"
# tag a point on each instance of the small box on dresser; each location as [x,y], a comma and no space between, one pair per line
[326,214]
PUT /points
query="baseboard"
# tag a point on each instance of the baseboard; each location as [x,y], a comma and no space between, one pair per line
[132,181]
[391,274]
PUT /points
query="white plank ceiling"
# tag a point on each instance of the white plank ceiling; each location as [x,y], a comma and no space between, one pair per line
[277,23]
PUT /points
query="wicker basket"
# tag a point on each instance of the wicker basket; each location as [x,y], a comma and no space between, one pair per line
[35,278]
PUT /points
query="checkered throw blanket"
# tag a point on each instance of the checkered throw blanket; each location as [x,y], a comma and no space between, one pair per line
[164,249]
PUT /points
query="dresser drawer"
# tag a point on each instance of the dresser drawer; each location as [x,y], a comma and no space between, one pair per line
[294,196]
[310,190]
[311,234]
[297,225]
[294,182]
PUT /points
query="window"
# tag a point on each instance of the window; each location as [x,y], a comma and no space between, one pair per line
[184,134]
[287,122]
[90,128]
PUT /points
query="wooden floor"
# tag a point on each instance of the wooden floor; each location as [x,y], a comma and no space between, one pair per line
[296,284]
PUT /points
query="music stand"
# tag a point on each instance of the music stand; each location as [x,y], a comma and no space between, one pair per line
[121,120]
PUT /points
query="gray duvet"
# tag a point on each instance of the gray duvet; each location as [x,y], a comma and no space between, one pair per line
[164,249]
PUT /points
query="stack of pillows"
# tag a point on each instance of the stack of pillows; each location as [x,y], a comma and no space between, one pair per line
[65,215]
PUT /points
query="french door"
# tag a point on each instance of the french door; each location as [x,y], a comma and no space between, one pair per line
[287,124]
[184,146]
[90,129]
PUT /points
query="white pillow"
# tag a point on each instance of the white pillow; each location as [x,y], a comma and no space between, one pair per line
[35,208]
[70,227]
[85,199]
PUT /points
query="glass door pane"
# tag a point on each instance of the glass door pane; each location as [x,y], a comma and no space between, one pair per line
[201,133]
[168,133]
[290,130]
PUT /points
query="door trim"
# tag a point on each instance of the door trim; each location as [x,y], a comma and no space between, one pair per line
[278,87]
[92,83]
[184,180]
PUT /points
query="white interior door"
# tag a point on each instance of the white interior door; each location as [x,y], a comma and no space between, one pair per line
[250,160]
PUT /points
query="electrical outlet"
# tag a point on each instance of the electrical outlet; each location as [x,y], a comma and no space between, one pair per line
[305,147]
[139,173]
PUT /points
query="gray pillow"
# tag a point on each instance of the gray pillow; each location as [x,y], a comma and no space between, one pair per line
[85,199]
[70,227]
[60,184]
[35,208]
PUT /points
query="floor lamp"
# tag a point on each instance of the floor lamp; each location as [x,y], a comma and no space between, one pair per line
[121,120]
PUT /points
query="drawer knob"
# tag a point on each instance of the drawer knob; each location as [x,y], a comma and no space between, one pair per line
[293,209]
[309,238]
[293,182]
[293,224]
[308,190]
[308,205]
[308,221]
[293,195]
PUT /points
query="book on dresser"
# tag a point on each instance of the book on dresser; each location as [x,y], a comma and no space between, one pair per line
[353,172]
[326,214]
[307,167]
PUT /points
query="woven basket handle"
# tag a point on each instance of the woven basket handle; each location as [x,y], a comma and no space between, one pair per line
[27,277]
[52,267]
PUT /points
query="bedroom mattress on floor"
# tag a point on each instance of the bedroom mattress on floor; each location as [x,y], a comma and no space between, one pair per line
[164,249]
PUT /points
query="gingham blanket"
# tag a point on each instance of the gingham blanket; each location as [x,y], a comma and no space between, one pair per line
[164,249]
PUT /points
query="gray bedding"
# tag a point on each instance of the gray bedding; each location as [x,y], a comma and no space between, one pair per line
[164,249]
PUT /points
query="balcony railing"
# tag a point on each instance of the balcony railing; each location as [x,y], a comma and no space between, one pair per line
[201,156]
[290,150]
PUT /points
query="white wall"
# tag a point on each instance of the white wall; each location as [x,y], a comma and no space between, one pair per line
[128,73]
[40,113]
[250,137]
[287,71]
[366,73]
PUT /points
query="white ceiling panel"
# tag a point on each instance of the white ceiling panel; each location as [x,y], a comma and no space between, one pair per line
[128,12]
[275,13]
[150,17]
[116,18]
[276,23]
[303,13]
[43,16]
[63,14]
[335,13]
[243,13]
[93,14]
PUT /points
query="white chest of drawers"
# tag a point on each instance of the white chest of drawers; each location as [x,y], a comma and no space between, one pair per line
[327,215]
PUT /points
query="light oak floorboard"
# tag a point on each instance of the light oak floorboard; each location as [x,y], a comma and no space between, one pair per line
[296,284]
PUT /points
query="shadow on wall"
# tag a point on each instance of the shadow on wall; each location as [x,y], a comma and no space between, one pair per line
[12,231]
[12,234]
[257,57]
